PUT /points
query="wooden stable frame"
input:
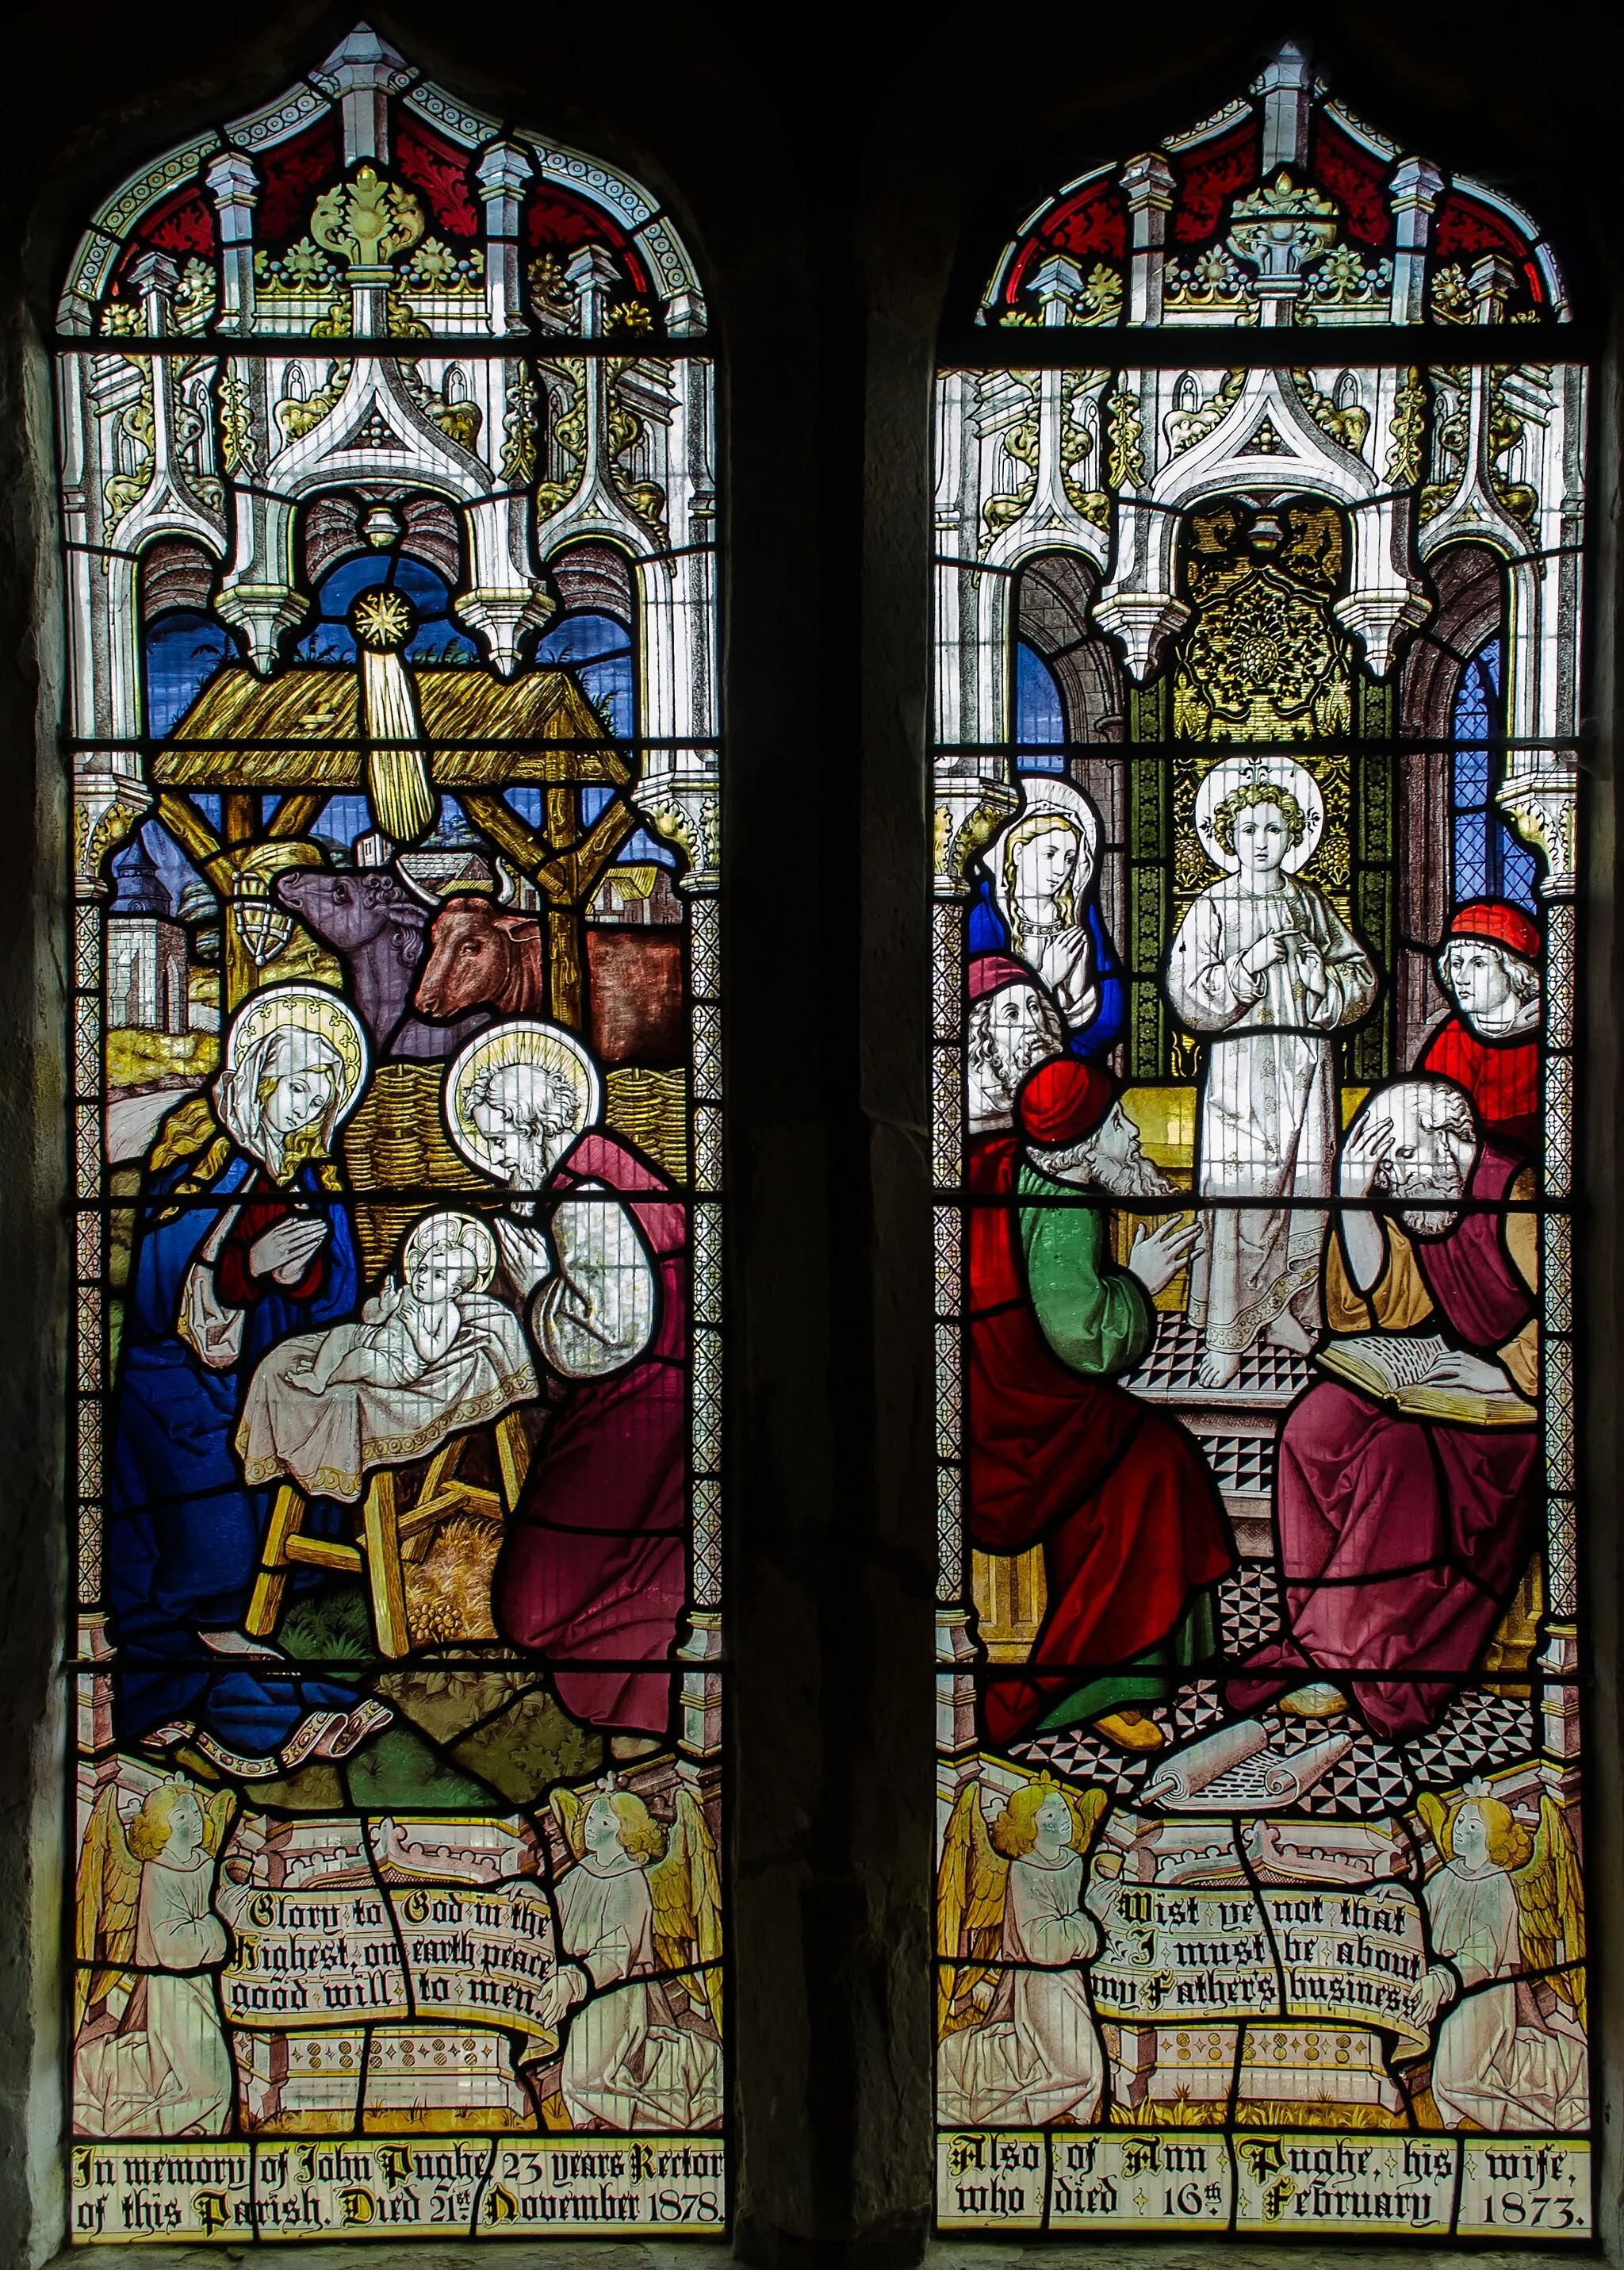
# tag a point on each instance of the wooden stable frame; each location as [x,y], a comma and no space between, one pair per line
[385,1532]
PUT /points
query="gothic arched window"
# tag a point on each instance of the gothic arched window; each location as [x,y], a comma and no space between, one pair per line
[388,495]
[1259,524]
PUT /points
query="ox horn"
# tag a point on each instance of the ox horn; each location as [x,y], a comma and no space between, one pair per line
[424,897]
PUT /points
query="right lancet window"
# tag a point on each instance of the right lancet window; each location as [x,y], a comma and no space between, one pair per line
[1259,527]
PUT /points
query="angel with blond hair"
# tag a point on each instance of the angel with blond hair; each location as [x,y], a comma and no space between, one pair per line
[151,2058]
[639,1997]
[1507,1910]
[1018,2042]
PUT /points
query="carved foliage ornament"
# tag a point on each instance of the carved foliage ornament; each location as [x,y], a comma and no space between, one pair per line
[367,221]
[1281,229]
[1263,659]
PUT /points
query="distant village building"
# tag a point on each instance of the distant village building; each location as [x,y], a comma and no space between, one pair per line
[638,892]
[451,858]
[146,953]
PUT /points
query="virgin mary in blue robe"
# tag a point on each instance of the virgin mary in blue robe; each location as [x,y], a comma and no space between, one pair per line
[241,1238]
[1036,902]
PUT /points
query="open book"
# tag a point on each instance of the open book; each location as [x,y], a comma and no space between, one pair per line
[1396,1372]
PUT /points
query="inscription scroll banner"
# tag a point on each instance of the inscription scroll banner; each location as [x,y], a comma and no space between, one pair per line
[1524,2188]
[177,2193]
[1138,2181]
[1336,1957]
[1277,2182]
[422,1951]
[302,1958]
[481,1956]
[1387,2187]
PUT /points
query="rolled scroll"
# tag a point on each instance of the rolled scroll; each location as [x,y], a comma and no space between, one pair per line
[1181,1778]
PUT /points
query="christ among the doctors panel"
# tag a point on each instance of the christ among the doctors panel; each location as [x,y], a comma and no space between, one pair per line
[1260,1904]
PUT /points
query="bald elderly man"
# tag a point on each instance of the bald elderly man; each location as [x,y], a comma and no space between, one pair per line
[1406,1520]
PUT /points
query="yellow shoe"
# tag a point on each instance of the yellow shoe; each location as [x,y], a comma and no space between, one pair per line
[1316,1700]
[1130,1730]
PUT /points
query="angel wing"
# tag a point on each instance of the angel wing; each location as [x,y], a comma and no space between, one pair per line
[1435,1814]
[569,1811]
[686,1889]
[1550,1905]
[217,1819]
[106,1898]
[970,1888]
[1086,1811]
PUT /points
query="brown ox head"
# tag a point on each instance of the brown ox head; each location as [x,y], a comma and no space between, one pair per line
[480,959]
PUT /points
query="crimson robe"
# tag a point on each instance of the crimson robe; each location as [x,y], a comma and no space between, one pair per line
[1118,1496]
[1403,1540]
[1500,1077]
[594,1567]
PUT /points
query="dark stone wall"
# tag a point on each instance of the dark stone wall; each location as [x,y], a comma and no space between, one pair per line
[825,164]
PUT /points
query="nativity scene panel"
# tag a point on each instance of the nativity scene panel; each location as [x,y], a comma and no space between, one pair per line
[1258,1669]
[387,455]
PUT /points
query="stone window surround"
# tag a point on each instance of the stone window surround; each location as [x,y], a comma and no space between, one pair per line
[826,332]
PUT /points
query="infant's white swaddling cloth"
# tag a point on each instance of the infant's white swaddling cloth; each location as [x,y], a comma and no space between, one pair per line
[326,1438]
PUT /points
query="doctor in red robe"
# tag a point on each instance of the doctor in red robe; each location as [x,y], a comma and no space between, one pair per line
[1405,1532]
[1489,966]
[1118,1496]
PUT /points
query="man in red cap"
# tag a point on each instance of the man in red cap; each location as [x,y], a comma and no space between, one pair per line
[1489,966]
[1014,1023]
[1118,1496]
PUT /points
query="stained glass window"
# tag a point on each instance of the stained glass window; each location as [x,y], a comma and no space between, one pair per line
[1260,1907]
[1490,862]
[387,464]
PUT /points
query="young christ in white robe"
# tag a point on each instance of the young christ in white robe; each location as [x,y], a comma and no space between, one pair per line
[1264,966]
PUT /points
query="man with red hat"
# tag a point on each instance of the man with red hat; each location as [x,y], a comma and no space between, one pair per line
[1489,966]
[1118,1496]
[1014,1023]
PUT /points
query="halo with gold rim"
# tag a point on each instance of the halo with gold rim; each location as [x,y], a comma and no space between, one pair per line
[1045,796]
[522,1040]
[303,1009]
[1278,772]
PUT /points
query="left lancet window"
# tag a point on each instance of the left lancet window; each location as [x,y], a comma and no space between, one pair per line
[387,450]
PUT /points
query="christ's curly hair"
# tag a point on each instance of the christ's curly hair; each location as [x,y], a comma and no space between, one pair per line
[1257,792]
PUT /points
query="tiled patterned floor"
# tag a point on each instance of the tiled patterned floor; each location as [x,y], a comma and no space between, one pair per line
[1243,1465]
[1269,1376]
[1479,1732]
[1248,1607]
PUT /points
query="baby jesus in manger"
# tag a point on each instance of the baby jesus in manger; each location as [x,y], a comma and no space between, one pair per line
[432,1354]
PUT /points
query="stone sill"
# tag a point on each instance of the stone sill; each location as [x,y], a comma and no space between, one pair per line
[940,2254]
[420,2254]
[1236,2254]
